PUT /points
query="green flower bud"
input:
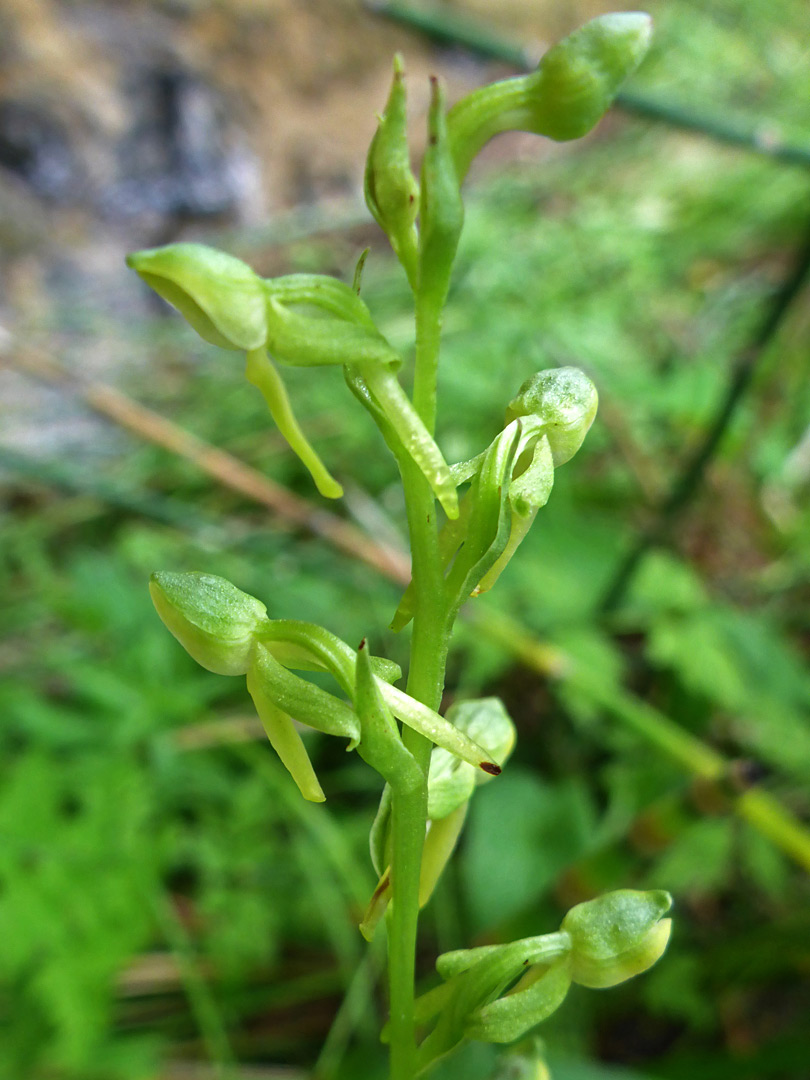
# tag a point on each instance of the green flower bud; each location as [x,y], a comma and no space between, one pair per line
[441,211]
[391,190]
[219,295]
[617,936]
[215,622]
[563,401]
[564,97]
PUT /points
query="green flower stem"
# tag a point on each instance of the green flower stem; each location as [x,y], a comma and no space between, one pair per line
[426,675]
[429,644]
[428,333]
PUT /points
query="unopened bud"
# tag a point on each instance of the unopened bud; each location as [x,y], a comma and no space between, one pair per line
[564,401]
[617,936]
[217,294]
[215,622]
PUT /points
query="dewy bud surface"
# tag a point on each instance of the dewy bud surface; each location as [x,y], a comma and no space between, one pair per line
[617,936]
[217,294]
[215,622]
[564,400]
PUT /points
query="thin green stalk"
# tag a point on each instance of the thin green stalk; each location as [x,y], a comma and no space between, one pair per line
[426,676]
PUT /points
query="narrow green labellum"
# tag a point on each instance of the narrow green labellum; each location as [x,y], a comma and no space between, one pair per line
[286,741]
[564,97]
[261,371]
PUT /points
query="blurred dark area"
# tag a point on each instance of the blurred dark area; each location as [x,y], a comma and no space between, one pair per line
[170,908]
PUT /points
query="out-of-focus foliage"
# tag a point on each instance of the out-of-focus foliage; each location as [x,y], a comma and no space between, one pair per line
[165,895]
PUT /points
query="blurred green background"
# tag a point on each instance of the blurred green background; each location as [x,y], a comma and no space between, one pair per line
[169,907]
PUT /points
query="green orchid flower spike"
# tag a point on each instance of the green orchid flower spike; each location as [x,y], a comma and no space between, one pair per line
[300,675]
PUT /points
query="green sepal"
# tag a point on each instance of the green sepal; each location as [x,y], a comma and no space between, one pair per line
[617,936]
[478,977]
[538,994]
[391,190]
[323,292]
[511,958]
[564,402]
[564,98]
[309,647]
[300,340]
[302,700]
[215,622]
[441,210]
[217,294]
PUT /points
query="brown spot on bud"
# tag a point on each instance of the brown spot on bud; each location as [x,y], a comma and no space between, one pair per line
[491,768]
[362,645]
